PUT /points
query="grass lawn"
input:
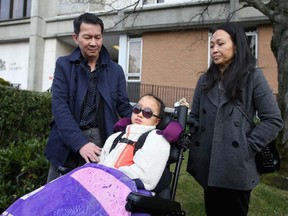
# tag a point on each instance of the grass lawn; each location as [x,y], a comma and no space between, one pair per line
[266,199]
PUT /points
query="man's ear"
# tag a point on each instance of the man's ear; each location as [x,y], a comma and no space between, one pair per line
[75,38]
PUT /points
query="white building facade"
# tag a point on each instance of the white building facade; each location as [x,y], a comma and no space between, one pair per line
[159,42]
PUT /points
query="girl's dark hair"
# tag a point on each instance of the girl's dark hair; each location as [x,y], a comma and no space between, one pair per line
[243,62]
[87,18]
[160,103]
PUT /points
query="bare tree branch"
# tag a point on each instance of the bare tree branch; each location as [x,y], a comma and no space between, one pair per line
[230,16]
[262,7]
[124,17]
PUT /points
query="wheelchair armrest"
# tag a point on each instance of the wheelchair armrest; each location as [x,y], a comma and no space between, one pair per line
[137,202]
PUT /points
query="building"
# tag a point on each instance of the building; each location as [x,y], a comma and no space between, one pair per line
[162,45]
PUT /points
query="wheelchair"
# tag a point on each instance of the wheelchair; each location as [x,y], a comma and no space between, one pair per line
[163,203]
[75,193]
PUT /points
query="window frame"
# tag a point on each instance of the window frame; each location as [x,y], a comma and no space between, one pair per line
[155,2]
[130,75]
[14,14]
[145,2]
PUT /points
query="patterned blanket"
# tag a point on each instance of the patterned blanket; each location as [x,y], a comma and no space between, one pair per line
[89,190]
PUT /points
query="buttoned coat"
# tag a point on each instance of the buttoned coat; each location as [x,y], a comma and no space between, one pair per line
[69,88]
[223,149]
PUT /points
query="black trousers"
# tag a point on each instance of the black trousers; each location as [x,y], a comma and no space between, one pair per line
[74,159]
[226,202]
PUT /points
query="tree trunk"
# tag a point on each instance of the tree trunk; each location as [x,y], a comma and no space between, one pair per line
[276,11]
[279,46]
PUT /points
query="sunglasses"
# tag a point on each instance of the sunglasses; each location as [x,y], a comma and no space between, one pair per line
[146,112]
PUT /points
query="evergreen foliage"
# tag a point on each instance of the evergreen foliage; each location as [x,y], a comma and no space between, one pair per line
[24,128]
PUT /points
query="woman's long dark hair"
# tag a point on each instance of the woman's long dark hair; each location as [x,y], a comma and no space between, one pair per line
[243,61]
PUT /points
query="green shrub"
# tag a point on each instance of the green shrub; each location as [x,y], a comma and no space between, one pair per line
[23,169]
[24,123]
[24,115]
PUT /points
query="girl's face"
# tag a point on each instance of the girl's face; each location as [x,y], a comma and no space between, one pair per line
[222,49]
[146,103]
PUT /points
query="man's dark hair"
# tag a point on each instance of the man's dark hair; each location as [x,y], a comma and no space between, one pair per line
[87,18]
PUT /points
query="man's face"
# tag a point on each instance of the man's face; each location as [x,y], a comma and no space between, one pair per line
[89,40]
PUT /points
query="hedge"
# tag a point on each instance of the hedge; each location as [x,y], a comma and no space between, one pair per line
[24,127]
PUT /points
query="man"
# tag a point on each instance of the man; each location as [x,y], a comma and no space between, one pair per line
[88,96]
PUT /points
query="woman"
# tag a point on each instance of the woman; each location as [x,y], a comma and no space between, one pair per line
[102,189]
[221,156]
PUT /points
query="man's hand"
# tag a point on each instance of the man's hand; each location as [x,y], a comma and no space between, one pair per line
[90,152]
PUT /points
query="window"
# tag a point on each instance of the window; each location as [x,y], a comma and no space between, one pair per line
[252,37]
[145,2]
[134,59]
[14,9]
[5,9]
[253,41]
[148,2]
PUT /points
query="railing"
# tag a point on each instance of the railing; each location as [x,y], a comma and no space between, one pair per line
[168,94]
[15,85]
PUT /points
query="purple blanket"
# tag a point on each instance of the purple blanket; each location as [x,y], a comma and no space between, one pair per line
[88,190]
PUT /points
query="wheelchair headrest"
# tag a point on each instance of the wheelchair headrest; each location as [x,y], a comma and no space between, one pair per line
[169,128]
[121,124]
[164,122]
[172,132]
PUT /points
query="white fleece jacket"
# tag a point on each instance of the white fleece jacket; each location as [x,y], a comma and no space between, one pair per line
[149,161]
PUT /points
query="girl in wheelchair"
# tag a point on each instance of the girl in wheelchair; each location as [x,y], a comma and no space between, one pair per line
[102,189]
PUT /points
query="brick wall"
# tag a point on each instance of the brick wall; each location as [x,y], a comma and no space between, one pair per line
[266,58]
[174,58]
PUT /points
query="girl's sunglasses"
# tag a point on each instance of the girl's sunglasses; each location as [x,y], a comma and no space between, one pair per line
[146,112]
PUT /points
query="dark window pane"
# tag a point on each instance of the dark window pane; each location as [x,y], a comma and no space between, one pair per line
[28,8]
[5,9]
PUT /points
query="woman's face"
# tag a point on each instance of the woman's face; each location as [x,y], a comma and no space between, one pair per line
[222,49]
[147,102]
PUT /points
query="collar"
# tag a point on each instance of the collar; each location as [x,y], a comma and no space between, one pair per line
[76,56]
